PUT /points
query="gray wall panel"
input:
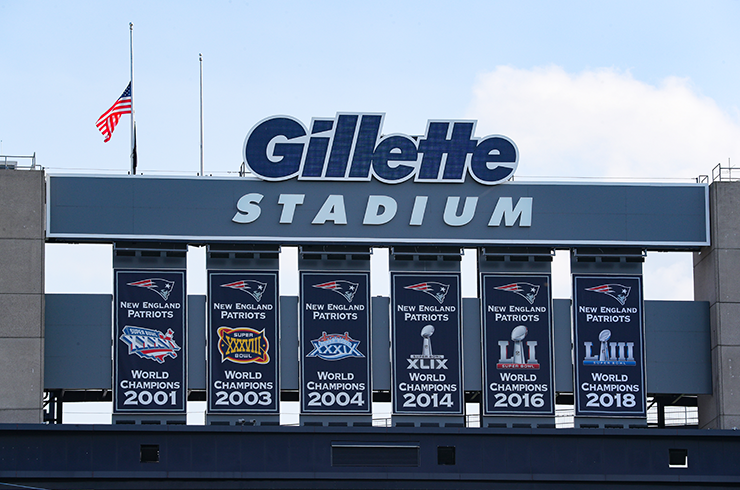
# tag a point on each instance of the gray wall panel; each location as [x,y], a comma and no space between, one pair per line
[196,342]
[380,332]
[677,346]
[472,339]
[78,346]
[289,343]
[563,345]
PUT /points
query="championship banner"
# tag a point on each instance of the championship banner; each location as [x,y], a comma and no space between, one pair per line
[517,345]
[609,346]
[149,371]
[243,342]
[335,343]
[427,340]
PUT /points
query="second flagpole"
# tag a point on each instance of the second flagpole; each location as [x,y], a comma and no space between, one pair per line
[133,147]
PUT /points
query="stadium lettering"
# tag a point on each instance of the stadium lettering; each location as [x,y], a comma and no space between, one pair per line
[349,147]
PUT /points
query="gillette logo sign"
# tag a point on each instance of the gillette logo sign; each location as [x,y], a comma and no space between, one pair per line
[350,147]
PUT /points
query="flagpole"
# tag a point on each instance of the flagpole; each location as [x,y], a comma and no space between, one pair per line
[131,43]
[200,57]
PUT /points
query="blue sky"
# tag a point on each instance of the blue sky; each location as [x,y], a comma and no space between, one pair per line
[64,64]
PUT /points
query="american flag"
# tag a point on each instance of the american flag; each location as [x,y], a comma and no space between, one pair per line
[107,122]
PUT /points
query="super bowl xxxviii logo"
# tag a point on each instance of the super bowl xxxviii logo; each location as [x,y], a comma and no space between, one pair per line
[243,345]
[335,347]
[150,344]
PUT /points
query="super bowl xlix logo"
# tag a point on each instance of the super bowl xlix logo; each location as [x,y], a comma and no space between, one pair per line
[335,347]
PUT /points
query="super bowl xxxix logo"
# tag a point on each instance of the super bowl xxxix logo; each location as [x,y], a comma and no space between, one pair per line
[243,345]
[335,347]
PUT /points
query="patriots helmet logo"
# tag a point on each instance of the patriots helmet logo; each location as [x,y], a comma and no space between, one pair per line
[255,288]
[616,291]
[345,288]
[436,290]
[524,289]
[162,287]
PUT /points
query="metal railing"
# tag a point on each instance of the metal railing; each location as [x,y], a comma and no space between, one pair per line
[725,174]
[19,162]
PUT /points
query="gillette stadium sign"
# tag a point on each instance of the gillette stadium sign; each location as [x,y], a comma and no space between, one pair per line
[341,180]
[350,147]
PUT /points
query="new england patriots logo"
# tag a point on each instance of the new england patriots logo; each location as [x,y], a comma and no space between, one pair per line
[616,291]
[162,287]
[345,288]
[255,288]
[436,290]
[524,289]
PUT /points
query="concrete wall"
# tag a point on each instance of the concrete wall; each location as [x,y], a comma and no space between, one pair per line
[717,280]
[21,296]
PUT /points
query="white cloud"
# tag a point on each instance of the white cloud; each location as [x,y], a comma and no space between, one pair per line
[603,123]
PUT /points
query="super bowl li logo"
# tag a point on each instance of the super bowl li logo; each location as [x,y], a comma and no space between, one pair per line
[610,353]
[148,343]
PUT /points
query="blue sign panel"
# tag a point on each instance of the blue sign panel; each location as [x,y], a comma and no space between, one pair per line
[243,342]
[335,343]
[653,216]
[517,345]
[149,371]
[427,339]
[609,346]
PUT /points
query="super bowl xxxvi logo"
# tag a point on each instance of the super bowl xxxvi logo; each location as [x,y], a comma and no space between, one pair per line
[243,345]
[162,287]
[335,347]
[150,344]
[610,353]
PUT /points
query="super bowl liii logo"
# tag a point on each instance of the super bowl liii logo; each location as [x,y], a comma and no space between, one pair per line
[517,360]
[610,353]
